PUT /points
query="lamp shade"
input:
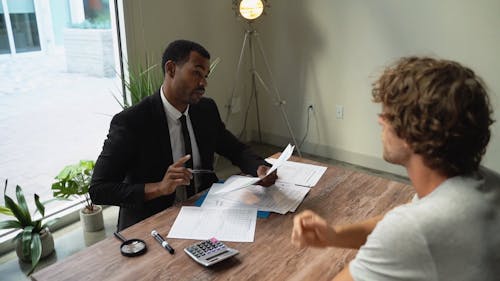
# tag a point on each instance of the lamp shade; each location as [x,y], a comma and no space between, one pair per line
[251,9]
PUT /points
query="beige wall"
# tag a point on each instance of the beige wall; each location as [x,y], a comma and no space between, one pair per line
[152,24]
[327,53]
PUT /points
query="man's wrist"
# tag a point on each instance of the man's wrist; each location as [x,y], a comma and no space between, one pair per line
[154,190]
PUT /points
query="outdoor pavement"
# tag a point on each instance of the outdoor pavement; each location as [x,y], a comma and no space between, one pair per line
[49,118]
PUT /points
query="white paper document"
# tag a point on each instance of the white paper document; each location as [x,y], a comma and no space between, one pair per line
[280,199]
[298,173]
[201,223]
[238,182]
[285,155]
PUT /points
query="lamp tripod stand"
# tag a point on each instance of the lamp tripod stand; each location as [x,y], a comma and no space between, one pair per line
[251,36]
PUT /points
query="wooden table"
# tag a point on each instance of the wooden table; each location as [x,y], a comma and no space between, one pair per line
[341,196]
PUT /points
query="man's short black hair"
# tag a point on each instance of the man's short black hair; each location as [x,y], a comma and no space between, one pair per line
[178,51]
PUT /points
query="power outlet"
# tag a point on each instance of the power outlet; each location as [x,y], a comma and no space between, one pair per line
[310,105]
[340,111]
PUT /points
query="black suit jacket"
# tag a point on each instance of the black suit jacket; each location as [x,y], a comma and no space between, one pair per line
[138,151]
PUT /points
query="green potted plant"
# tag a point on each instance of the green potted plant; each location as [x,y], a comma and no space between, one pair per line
[74,181]
[142,82]
[35,240]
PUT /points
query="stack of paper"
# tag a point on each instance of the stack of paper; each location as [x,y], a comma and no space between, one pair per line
[231,219]
[276,198]
[229,210]
[298,173]
[294,181]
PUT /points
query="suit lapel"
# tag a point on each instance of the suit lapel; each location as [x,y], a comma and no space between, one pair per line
[161,126]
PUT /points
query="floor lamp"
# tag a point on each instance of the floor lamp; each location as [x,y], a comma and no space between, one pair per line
[251,10]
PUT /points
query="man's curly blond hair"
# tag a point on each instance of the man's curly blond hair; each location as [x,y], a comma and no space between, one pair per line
[440,108]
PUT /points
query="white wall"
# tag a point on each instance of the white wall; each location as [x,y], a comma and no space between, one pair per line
[328,53]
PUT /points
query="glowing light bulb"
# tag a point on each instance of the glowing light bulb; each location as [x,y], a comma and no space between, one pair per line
[251,9]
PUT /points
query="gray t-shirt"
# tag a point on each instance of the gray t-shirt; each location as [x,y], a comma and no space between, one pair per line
[452,233]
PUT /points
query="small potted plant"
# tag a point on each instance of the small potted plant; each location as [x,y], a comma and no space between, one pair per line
[74,181]
[35,240]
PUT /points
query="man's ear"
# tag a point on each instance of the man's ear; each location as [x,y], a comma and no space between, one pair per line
[170,68]
[406,145]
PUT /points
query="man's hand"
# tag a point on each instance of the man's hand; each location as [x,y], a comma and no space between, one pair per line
[309,229]
[266,180]
[176,175]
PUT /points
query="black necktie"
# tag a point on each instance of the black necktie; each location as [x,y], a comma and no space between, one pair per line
[187,149]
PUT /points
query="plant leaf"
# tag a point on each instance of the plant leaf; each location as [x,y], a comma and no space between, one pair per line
[21,201]
[67,187]
[37,225]
[39,205]
[23,217]
[74,180]
[122,105]
[19,235]
[50,223]
[49,201]
[6,211]
[66,171]
[5,188]
[36,251]
[26,240]
[88,165]
[142,81]
[10,224]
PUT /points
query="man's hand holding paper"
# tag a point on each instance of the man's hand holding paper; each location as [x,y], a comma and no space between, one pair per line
[267,176]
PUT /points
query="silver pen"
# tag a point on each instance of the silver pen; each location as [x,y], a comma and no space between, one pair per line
[201,171]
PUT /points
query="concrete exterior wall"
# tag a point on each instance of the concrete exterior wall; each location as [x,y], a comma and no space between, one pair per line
[89,51]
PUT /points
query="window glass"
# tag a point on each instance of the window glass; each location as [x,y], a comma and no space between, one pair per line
[4,38]
[25,31]
[24,25]
[55,106]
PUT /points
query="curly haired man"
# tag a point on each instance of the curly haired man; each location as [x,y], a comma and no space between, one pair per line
[435,122]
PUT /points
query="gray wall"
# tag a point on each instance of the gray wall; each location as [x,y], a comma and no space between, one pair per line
[327,53]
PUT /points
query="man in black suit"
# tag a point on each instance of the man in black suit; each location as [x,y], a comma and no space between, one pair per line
[146,161]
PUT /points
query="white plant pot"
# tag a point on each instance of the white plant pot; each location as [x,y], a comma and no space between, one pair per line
[47,246]
[92,221]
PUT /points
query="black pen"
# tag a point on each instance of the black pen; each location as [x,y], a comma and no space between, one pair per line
[162,241]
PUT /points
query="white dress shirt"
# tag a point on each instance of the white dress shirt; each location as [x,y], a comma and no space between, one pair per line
[176,138]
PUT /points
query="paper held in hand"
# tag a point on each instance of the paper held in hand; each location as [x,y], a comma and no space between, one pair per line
[237,182]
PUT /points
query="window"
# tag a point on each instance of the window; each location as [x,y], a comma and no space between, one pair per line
[4,37]
[52,115]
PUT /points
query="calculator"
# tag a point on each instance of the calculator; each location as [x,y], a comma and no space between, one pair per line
[210,252]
